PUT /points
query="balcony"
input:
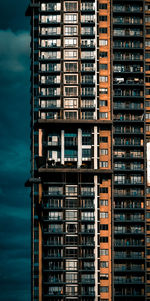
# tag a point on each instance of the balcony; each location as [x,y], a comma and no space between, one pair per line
[128,69]
[129,268]
[128,106]
[58,193]
[128,93]
[129,218]
[128,33]
[129,194]
[87,7]
[129,206]
[88,281]
[127,9]
[127,21]
[129,244]
[127,81]
[53,230]
[128,281]
[52,218]
[131,256]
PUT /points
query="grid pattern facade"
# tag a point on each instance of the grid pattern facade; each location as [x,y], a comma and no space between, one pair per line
[90,134]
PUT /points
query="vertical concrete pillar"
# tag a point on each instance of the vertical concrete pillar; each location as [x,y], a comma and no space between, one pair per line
[79,148]
[62,146]
[96,238]
[95,147]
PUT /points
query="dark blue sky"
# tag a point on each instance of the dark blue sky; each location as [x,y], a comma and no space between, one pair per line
[15,152]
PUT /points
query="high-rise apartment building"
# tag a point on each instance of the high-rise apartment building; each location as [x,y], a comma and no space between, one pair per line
[90,150]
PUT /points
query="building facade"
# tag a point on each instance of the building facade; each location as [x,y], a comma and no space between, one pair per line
[90,150]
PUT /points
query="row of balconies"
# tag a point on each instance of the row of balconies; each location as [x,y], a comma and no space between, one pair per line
[52,243]
[127,106]
[59,280]
[68,7]
[136,154]
[60,205]
[131,280]
[118,217]
[56,293]
[57,44]
[55,79]
[127,81]
[127,57]
[60,255]
[56,55]
[128,32]
[128,68]
[70,92]
[128,130]
[128,117]
[129,167]
[127,20]
[128,92]
[61,219]
[129,255]
[128,8]
[67,104]
[131,242]
[128,230]
[127,44]
[137,192]
[54,67]
[128,267]
[85,191]
[132,292]
[129,205]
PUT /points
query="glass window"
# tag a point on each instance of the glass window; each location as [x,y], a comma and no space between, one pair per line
[71,115]
[102,18]
[71,54]
[103,202]
[71,277]
[103,42]
[71,30]
[70,103]
[104,164]
[104,139]
[70,18]
[71,67]
[70,6]
[103,54]
[103,91]
[71,91]
[104,264]
[104,151]
[102,30]
[103,66]
[103,214]
[103,6]
[103,103]
[103,115]
[71,264]
[70,42]
[71,79]
[103,79]
[103,252]
[71,215]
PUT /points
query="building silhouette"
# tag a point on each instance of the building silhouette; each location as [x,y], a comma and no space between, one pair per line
[90,150]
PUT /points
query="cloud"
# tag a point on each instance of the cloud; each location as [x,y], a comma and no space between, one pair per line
[14,57]
[13,13]
[14,162]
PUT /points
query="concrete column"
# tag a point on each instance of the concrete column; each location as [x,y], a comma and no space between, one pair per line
[62,146]
[96,238]
[95,147]
[79,148]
